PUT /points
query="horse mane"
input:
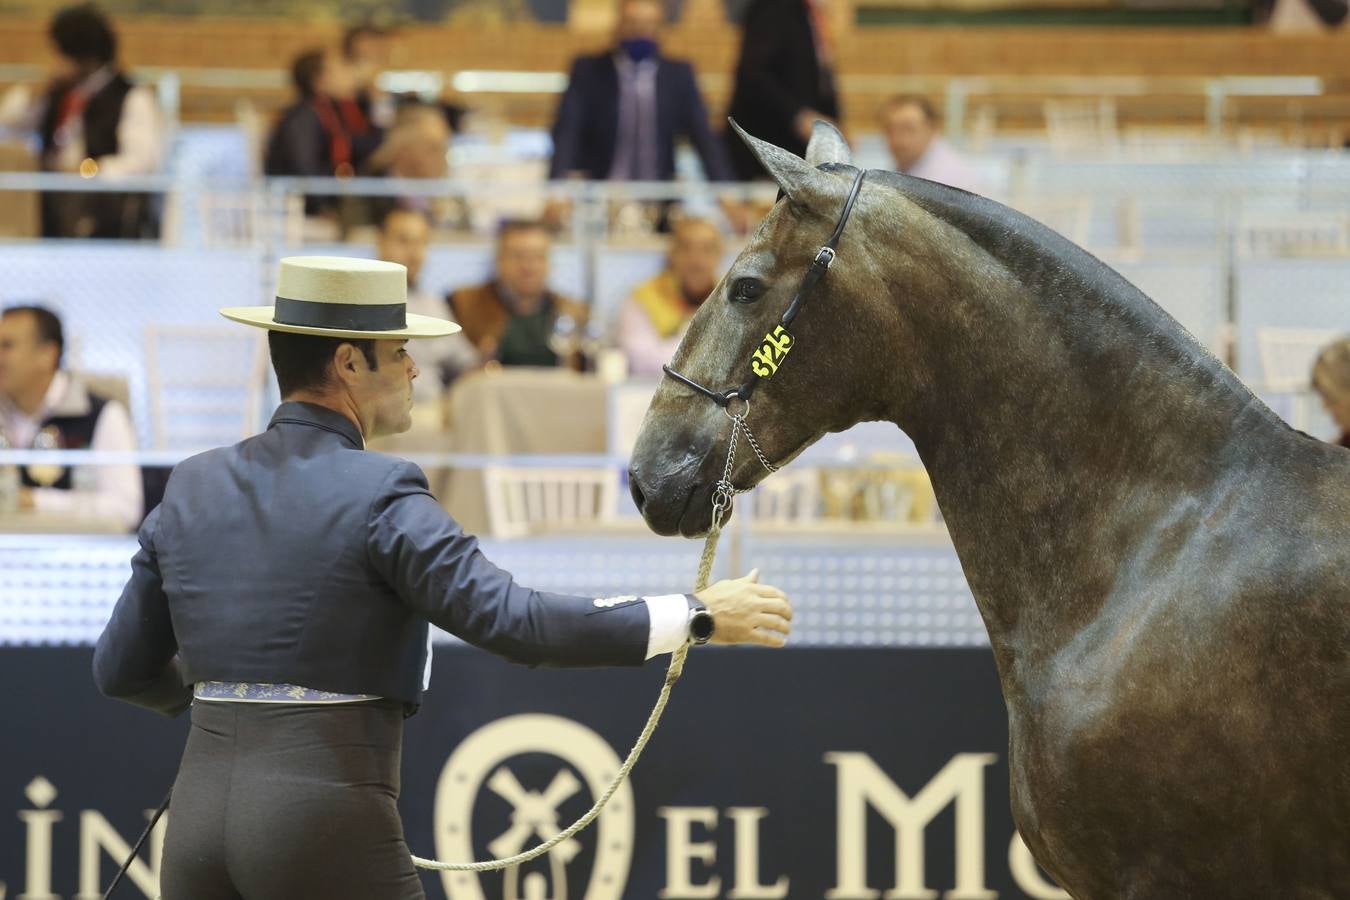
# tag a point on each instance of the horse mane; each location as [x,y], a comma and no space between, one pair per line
[1050,265]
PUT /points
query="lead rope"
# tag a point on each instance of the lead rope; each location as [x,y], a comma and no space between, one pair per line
[723,494]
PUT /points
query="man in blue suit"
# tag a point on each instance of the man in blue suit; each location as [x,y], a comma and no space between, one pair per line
[624,109]
[284,588]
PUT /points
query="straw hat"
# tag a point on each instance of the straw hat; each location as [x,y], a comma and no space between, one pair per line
[335,296]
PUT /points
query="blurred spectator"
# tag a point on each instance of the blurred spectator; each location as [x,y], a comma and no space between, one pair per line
[368,49]
[624,110]
[515,319]
[92,120]
[913,133]
[655,317]
[417,146]
[324,133]
[365,47]
[404,234]
[43,406]
[1300,16]
[1331,379]
[784,80]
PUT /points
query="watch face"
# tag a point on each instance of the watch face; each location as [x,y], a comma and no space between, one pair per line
[701,626]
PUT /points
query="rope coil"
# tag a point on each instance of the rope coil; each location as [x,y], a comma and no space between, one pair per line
[673,673]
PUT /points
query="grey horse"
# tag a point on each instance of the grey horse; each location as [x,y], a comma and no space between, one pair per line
[1163,566]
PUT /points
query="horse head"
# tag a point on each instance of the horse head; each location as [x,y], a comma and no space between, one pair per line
[837,365]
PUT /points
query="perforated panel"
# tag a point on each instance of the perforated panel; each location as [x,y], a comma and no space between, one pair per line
[865,591]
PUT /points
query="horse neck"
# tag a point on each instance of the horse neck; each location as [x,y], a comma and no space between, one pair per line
[1063,427]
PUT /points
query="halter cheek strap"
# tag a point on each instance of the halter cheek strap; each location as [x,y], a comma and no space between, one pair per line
[777,343]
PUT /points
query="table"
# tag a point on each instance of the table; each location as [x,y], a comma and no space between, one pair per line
[52,523]
[503,412]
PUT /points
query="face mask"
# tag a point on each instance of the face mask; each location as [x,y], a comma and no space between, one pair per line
[638,49]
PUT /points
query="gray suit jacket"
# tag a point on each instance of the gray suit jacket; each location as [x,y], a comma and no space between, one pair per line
[298,557]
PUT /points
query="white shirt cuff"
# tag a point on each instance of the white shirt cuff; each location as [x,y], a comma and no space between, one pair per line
[669,614]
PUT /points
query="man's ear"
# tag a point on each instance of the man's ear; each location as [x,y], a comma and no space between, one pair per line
[348,362]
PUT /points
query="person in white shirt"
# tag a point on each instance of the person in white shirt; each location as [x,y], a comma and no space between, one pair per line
[913,131]
[655,316]
[93,120]
[45,407]
[403,238]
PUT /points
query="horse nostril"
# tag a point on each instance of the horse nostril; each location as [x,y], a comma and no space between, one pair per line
[636,489]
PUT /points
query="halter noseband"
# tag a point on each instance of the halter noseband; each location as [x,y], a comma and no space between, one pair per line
[778,342]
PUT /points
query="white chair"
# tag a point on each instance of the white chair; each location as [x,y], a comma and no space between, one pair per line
[1287,357]
[525,500]
[1070,215]
[1080,127]
[1263,235]
[205,384]
[789,497]
[1288,354]
[243,218]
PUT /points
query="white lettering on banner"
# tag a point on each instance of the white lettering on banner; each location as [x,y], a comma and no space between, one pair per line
[861,783]
[38,885]
[682,850]
[1023,867]
[480,761]
[38,825]
[96,834]
[747,886]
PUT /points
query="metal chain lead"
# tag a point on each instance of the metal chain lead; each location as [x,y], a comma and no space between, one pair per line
[725,491]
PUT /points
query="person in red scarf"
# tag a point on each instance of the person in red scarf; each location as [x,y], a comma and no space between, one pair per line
[324,133]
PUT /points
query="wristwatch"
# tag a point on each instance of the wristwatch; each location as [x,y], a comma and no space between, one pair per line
[701,625]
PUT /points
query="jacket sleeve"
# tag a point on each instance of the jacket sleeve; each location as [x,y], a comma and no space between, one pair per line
[135,658]
[711,150]
[567,126]
[440,572]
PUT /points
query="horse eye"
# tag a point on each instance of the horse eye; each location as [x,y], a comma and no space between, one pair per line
[746,290]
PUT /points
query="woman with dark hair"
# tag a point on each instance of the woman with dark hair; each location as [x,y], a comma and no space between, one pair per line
[93,120]
[322,134]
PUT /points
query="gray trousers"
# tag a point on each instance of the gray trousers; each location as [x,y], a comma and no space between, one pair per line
[289,802]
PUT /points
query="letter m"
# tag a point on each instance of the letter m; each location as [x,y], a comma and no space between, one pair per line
[861,783]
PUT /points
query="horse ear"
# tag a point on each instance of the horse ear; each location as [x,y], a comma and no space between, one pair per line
[827,146]
[789,170]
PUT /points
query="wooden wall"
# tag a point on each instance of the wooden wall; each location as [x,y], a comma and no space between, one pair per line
[867,59]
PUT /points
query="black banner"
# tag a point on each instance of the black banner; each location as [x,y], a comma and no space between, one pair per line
[805,773]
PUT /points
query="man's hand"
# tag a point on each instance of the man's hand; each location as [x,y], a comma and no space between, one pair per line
[747,612]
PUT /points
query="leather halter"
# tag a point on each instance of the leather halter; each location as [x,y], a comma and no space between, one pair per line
[782,336]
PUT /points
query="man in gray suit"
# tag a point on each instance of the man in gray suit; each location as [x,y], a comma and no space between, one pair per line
[283,590]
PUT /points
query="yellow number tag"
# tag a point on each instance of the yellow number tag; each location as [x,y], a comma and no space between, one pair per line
[771,352]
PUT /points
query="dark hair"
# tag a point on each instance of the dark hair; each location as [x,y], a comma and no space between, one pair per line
[83,33]
[923,103]
[304,361]
[305,72]
[509,227]
[397,209]
[358,31]
[48,323]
